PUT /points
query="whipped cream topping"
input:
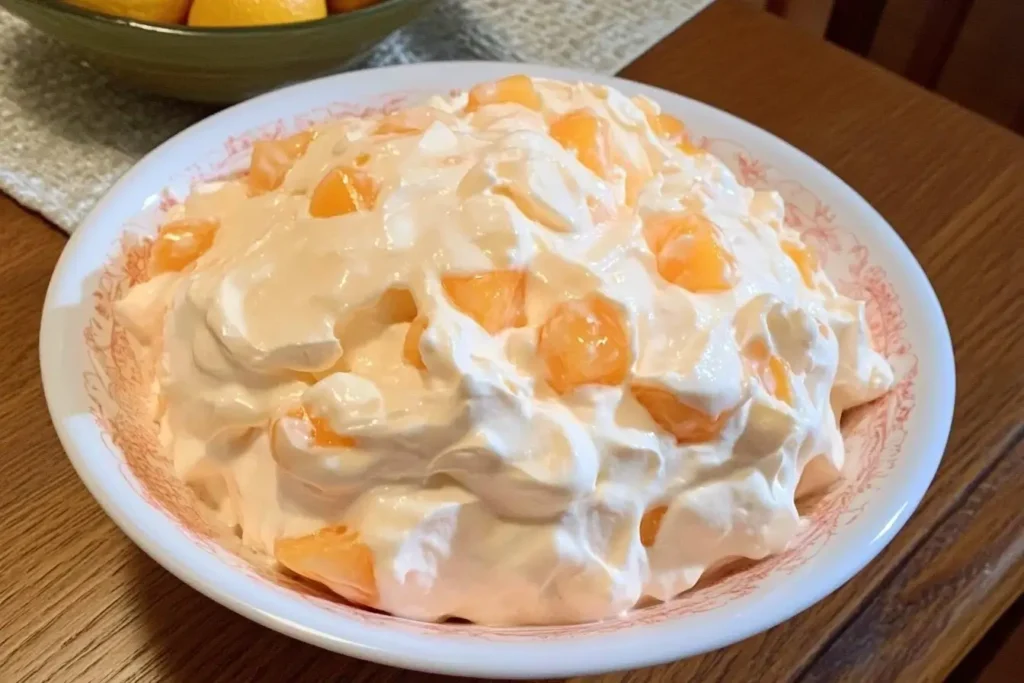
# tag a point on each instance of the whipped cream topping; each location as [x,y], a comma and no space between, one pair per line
[476,489]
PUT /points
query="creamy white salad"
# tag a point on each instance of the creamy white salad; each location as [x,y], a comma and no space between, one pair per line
[524,355]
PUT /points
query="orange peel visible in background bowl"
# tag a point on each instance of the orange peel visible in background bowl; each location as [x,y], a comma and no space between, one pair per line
[156,11]
[222,13]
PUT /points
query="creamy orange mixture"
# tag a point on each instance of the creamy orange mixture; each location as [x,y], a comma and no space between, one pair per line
[523,355]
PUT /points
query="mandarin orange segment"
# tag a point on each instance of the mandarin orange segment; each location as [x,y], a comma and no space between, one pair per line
[584,342]
[658,230]
[511,90]
[805,261]
[771,370]
[777,370]
[686,146]
[234,13]
[179,243]
[325,437]
[320,431]
[688,424]
[666,126]
[342,191]
[272,159]
[697,263]
[689,254]
[335,557]
[587,135]
[296,145]
[411,345]
[669,127]
[650,524]
[495,299]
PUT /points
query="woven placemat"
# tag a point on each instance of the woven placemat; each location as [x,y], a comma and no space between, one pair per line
[68,132]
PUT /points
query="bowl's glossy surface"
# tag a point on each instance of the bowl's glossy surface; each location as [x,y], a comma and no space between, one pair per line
[216,65]
[96,388]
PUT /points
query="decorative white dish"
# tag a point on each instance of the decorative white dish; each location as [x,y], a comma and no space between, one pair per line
[95,383]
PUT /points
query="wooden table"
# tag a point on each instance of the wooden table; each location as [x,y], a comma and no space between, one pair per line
[79,602]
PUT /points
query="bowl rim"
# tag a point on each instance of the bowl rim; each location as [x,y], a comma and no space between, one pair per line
[535,657]
[185,30]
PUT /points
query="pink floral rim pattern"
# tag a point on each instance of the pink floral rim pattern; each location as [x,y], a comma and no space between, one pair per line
[118,386]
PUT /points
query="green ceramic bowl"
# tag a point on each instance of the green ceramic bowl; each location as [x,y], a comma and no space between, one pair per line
[217,64]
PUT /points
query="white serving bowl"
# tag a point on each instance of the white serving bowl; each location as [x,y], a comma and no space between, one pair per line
[94,384]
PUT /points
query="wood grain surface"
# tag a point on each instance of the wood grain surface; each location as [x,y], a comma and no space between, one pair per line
[973,558]
[79,602]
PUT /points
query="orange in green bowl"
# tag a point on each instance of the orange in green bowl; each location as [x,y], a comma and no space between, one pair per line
[208,64]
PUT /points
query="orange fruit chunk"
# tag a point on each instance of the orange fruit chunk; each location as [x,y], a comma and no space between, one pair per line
[495,299]
[650,524]
[179,243]
[272,159]
[335,557]
[686,146]
[689,254]
[325,437]
[584,342]
[320,431]
[696,262]
[771,370]
[666,126]
[511,90]
[686,423]
[411,345]
[805,261]
[658,230]
[587,135]
[156,11]
[342,191]
[254,12]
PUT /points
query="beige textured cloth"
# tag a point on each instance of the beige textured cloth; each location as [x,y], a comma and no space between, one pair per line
[67,132]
